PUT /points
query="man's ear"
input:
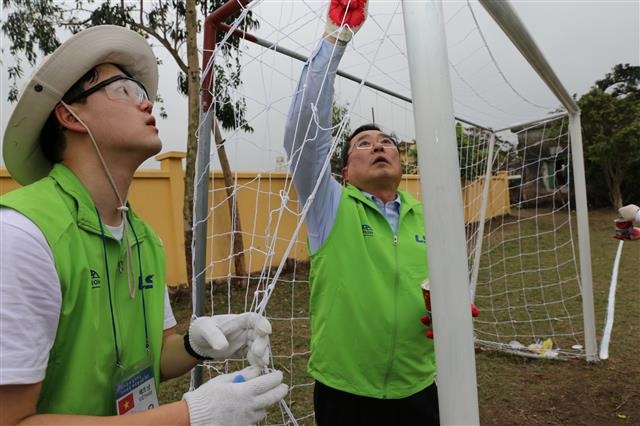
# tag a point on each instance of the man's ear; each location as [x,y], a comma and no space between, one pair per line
[345,174]
[67,120]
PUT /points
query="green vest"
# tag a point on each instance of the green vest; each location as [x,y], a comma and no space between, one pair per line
[82,362]
[366,302]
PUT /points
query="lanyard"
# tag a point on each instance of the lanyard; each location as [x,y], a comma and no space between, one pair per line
[140,286]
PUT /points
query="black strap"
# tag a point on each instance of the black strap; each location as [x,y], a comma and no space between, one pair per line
[190,351]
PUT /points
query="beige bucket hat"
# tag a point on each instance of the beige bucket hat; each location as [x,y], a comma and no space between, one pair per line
[51,80]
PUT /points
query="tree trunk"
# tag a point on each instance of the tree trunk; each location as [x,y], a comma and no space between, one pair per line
[234,211]
[614,178]
[193,78]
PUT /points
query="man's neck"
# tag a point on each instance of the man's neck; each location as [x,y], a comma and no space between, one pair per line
[384,195]
[102,192]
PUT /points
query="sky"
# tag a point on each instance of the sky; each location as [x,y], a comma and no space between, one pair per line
[491,83]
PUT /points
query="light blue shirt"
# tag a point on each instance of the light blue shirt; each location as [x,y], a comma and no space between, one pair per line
[390,210]
[307,140]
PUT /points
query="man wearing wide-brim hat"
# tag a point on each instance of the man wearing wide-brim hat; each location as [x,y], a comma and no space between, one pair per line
[86,327]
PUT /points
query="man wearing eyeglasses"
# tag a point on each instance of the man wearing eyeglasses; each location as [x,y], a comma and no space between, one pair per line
[369,355]
[86,328]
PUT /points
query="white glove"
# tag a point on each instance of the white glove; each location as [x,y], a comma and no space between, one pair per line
[345,17]
[226,400]
[630,212]
[220,336]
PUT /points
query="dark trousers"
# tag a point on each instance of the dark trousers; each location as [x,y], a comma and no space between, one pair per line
[336,408]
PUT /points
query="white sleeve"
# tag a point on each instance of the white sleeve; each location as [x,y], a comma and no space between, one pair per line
[30,300]
[169,319]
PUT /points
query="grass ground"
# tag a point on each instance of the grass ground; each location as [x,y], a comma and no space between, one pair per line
[514,390]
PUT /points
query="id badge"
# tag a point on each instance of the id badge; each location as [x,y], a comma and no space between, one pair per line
[135,389]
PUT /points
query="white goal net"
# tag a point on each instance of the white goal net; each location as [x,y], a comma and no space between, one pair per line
[518,186]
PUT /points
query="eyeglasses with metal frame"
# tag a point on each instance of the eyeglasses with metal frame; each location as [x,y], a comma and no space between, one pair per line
[386,143]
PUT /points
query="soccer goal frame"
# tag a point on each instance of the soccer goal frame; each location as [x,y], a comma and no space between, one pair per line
[508,20]
[444,222]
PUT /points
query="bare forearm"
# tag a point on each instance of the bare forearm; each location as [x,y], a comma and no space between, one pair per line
[175,413]
[175,361]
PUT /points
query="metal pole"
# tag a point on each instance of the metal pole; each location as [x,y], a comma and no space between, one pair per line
[200,213]
[532,123]
[295,55]
[582,218]
[444,219]
[201,202]
[477,253]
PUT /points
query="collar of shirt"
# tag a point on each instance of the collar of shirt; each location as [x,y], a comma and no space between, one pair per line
[390,210]
[395,204]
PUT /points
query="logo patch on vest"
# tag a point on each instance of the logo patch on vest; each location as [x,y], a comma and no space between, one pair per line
[148,282]
[367,231]
[419,239]
[95,279]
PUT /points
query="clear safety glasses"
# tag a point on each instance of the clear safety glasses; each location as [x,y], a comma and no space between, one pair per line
[118,88]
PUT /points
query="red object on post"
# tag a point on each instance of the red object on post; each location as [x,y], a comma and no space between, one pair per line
[426,318]
[625,231]
[426,293]
[474,310]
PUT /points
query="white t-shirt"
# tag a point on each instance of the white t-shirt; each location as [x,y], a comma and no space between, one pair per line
[30,300]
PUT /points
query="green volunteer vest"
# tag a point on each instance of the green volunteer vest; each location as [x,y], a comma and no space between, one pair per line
[80,374]
[366,302]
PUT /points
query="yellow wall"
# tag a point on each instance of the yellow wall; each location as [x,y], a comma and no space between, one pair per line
[157,196]
[498,196]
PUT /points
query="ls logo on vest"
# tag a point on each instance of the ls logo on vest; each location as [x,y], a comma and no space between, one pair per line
[148,282]
[95,279]
[367,231]
[419,239]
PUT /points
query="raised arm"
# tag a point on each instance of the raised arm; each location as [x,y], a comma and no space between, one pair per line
[308,130]
[307,138]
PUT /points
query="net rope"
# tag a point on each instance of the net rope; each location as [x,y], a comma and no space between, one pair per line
[522,248]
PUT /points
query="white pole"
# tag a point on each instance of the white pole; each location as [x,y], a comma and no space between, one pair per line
[488,180]
[611,305]
[444,221]
[582,218]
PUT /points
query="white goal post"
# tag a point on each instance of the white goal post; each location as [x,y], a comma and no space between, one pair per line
[506,213]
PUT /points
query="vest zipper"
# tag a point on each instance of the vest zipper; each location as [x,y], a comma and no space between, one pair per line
[121,268]
[117,289]
[395,316]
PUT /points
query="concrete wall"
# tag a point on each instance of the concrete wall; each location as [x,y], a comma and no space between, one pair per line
[157,196]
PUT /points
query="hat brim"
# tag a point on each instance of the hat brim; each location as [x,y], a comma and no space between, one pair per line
[55,76]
